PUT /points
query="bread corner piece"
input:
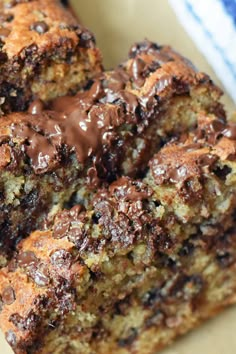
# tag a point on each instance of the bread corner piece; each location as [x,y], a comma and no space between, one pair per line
[109,129]
[147,261]
[44,53]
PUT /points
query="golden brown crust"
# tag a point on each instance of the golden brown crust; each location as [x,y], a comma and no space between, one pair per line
[42,44]
[165,69]
[25,15]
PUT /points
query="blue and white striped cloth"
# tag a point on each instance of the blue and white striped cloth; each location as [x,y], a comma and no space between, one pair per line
[212,26]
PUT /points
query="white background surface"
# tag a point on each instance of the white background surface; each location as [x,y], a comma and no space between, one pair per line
[117,24]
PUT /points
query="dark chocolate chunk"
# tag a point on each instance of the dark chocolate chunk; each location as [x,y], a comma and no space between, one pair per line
[152,297]
[25,324]
[144,46]
[212,130]
[61,258]
[225,259]
[12,265]
[6,17]
[230,131]
[175,164]
[36,107]
[86,39]
[1,304]
[155,320]
[127,189]
[8,295]
[40,275]
[222,172]
[11,338]
[27,259]
[185,286]
[40,27]
[129,339]
[131,102]
[136,69]
[65,3]
[3,58]
[62,226]
[30,200]
[187,248]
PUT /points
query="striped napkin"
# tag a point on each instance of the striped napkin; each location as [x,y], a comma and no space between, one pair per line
[212,26]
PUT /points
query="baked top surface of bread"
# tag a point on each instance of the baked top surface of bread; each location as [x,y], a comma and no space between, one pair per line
[45,52]
[24,28]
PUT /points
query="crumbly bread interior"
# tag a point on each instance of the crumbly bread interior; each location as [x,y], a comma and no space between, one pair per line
[136,120]
[146,261]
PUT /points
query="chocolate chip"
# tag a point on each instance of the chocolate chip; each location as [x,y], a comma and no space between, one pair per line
[30,201]
[96,217]
[136,69]
[33,48]
[230,131]
[224,259]
[3,57]
[11,338]
[186,286]
[99,332]
[187,249]
[65,3]
[86,39]
[40,27]
[144,46]
[155,320]
[207,160]
[223,172]
[61,258]
[152,297]
[41,276]
[130,100]
[12,265]
[36,107]
[24,324]
[217,126]
[6,17]
[122,306]
[124,342]
[8,295]
[61,227]
[1,304]
[26,259]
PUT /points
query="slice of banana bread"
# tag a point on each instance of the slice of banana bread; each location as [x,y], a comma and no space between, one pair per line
[44,53]
[110,129]
[147,261]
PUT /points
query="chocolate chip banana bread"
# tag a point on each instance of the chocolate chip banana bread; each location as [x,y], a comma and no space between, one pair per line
[44,53]
[110,129]
[148,260]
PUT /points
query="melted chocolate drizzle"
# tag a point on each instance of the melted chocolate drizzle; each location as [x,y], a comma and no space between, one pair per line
[87,124]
